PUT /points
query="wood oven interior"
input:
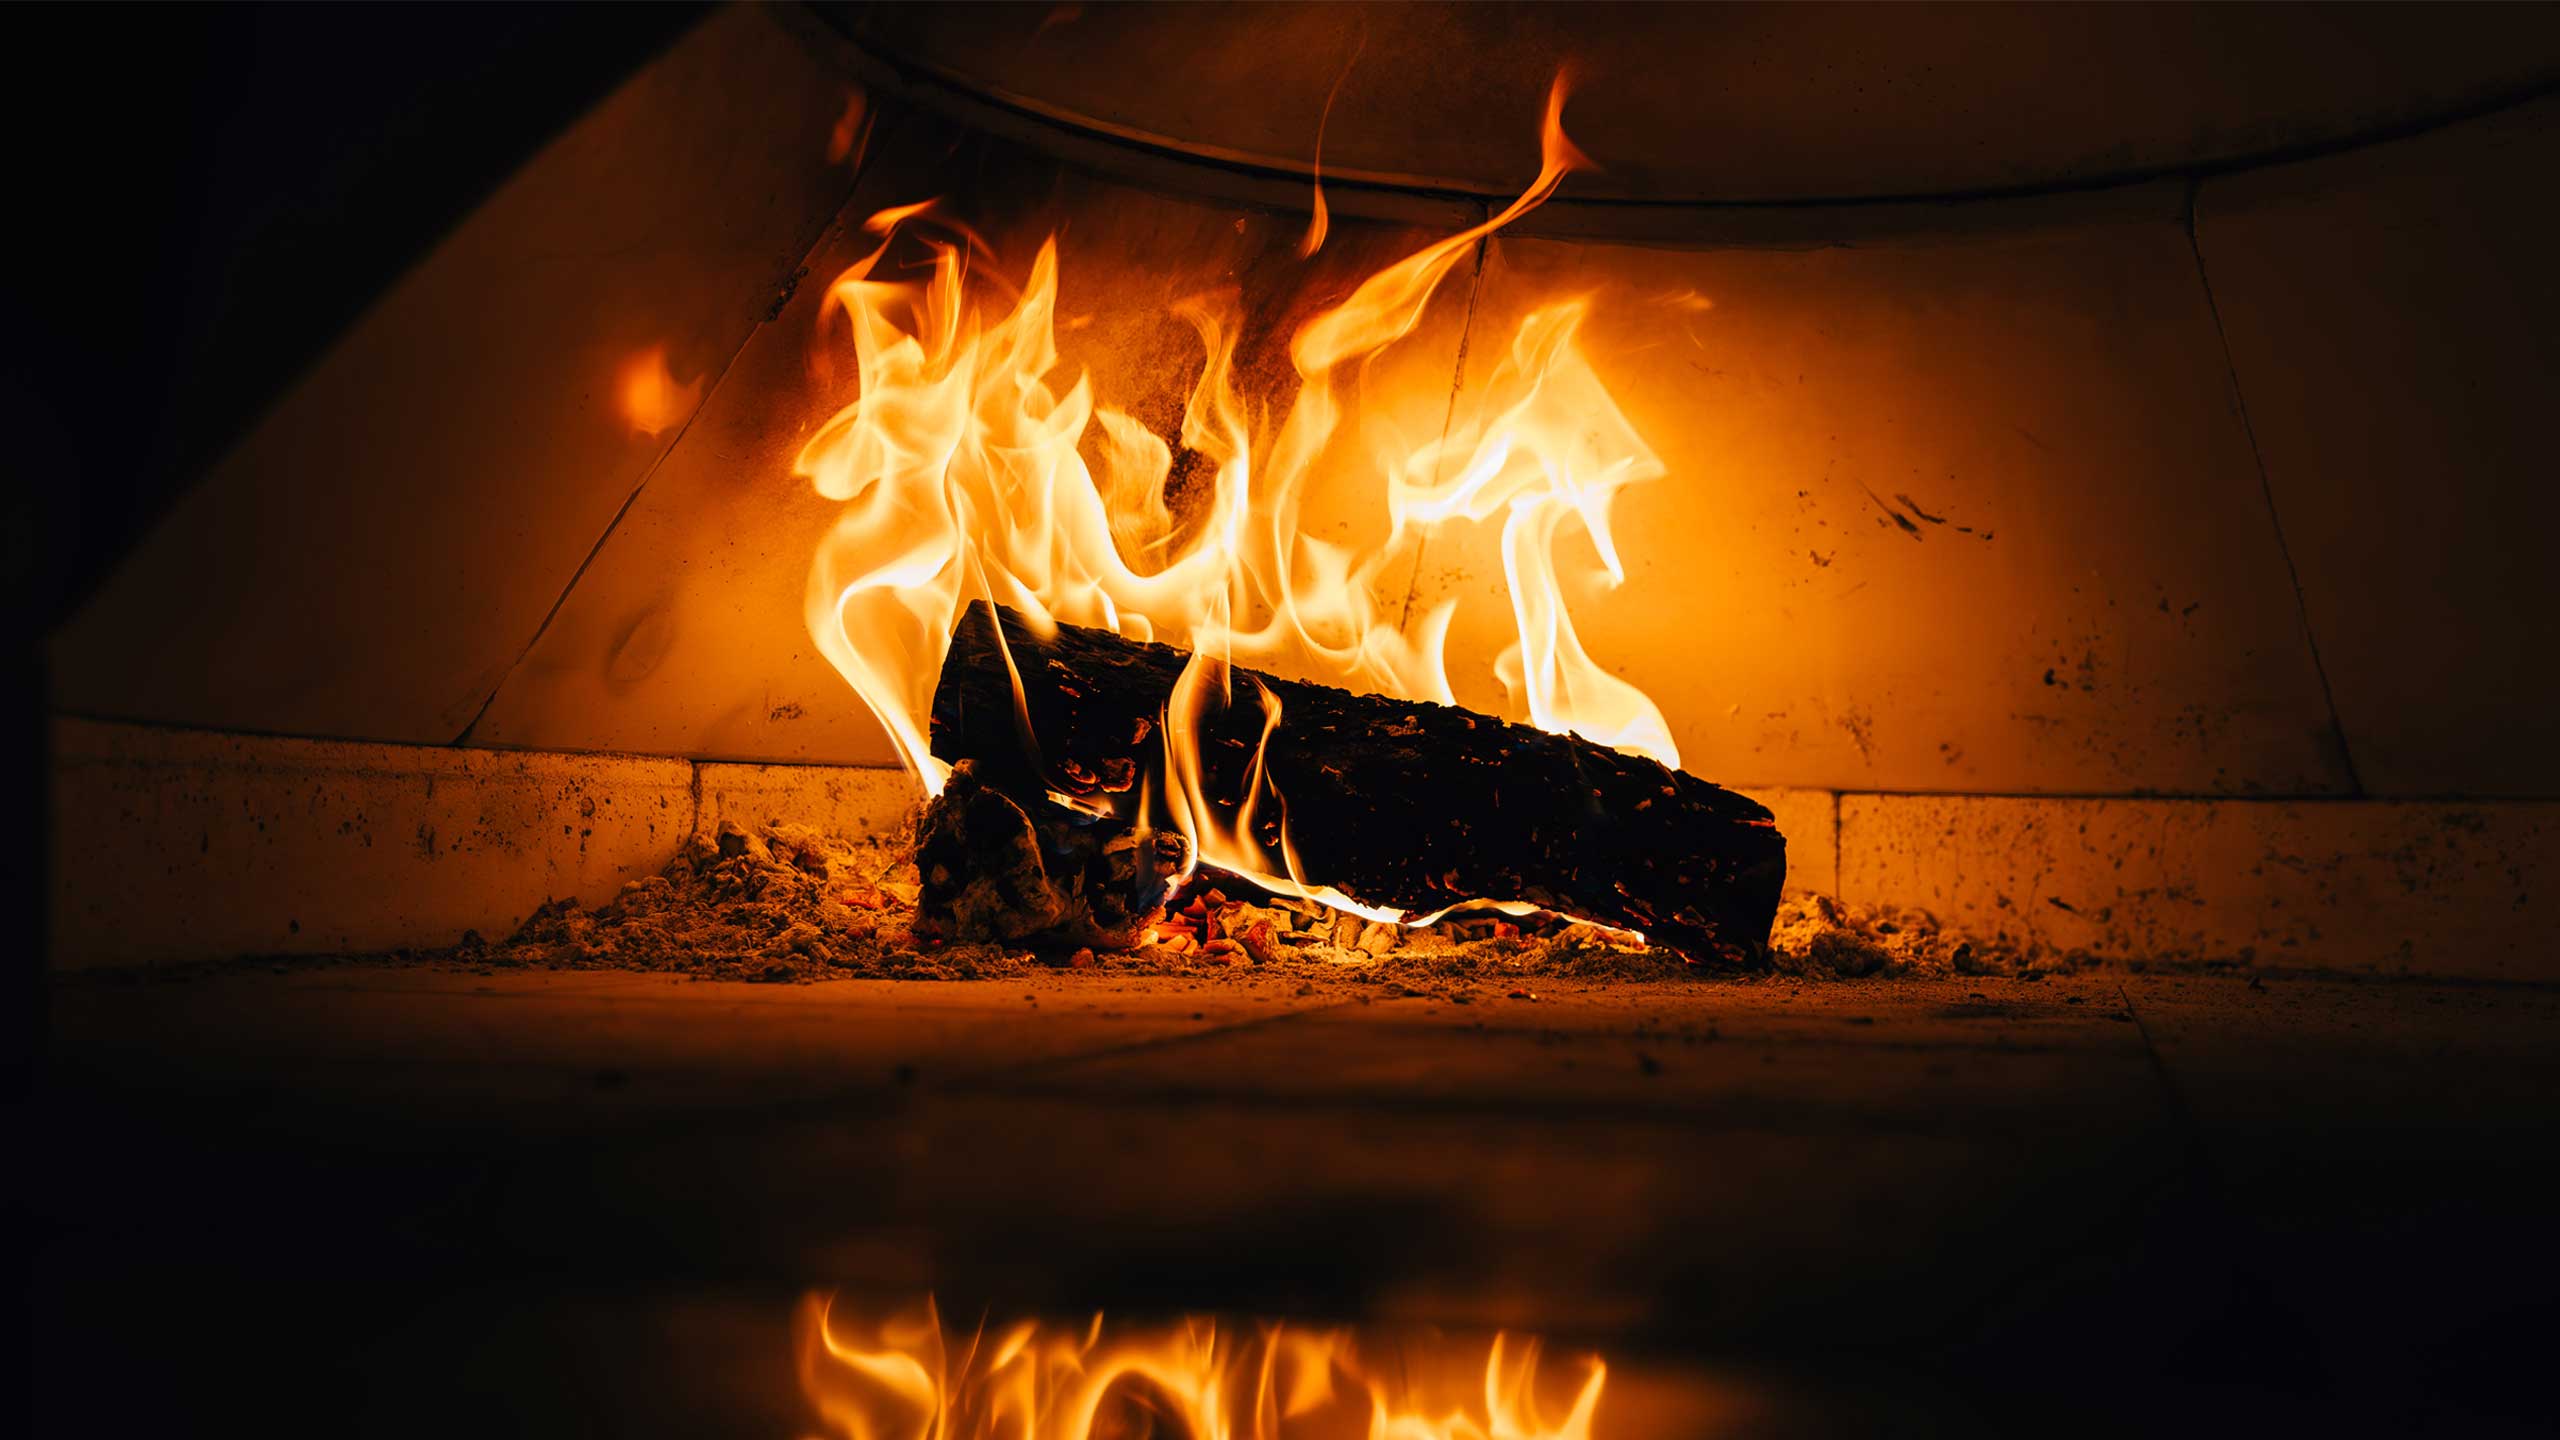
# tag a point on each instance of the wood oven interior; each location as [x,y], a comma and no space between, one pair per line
[2061,934]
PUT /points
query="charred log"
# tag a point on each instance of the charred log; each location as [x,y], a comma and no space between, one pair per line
[1396,803]
[1034,872]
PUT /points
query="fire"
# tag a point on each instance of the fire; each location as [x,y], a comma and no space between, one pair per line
[1319,220]
[909,1376]
[962,467]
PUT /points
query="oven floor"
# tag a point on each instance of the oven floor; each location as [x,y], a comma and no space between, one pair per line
[401,1200]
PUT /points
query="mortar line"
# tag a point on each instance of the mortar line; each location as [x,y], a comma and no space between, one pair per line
[1693,1115]
[728,366]
[955,100]
[1839,848]
[1449,417]
[2172,1098]
[2267,489]
[1027,1068]
[561,600]
[85,716]
[2247,1233]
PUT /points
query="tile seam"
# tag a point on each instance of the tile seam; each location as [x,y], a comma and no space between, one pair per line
[2267,490]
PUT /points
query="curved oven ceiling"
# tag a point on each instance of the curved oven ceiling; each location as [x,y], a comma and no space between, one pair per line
[1729,103]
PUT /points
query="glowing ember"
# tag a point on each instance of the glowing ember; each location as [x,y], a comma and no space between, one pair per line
[964,478]
[911,1375]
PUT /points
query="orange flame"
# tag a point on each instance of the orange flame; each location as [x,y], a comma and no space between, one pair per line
[962,478]
[908,1374]
[1320,221]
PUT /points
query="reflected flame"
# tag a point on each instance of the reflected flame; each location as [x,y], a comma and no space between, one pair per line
[649,396]
[845,140]
[911,1376]
[970,470]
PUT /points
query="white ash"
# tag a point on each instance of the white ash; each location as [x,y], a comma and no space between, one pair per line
[783,902]
[1819,936]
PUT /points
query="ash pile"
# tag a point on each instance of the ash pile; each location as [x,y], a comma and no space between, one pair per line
[787,903]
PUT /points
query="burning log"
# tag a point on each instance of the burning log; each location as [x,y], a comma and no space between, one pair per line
[1035,872]
[1399,804]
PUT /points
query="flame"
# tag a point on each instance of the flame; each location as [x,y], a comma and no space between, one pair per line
[1320,220]
[908,1375]
[963,471]
[844,141]
[651,399]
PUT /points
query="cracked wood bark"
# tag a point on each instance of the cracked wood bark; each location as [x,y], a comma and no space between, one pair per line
[1032,872]
[1396,803]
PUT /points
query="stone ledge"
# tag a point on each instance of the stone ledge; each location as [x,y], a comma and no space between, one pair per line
[175,845]
[2443,889]
[1810,821]
[865,803]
